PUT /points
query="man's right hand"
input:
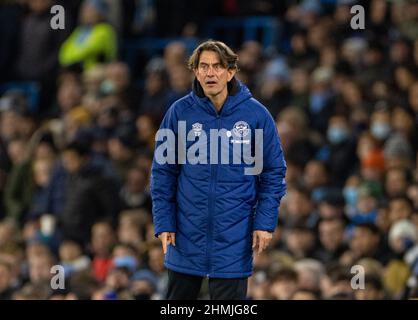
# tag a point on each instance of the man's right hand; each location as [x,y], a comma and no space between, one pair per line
[166,239]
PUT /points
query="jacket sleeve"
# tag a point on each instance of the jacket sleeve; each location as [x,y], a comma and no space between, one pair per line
[272,184]
[164,179]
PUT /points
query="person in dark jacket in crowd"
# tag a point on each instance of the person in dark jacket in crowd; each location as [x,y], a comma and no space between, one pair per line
[339,153]
[37,56]
[133,194]
[331,237]
[209,216]
[80,194]
[38,52]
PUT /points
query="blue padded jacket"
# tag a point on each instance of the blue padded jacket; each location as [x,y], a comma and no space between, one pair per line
[214,208]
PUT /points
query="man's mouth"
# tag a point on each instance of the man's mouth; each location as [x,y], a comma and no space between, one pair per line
[210,83]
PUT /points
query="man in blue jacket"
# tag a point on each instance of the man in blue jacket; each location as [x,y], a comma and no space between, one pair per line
[210,210]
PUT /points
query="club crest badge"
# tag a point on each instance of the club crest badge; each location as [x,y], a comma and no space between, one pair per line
[197,129]
[241,129]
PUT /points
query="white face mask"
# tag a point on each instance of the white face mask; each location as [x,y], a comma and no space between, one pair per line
[337,134]
[380,130]
[107,87]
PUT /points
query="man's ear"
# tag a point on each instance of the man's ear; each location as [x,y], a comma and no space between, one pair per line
[231,74]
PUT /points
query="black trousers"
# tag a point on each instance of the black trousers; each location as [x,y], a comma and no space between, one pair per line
[187,287]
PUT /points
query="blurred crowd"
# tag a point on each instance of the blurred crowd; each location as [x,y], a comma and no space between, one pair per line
[75,167]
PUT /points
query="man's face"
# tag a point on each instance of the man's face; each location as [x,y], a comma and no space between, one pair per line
[300,241]
[69,95]
[364,242]
[395,182]
[101,238]
[298,204]
[331,234]
[69,251]
[71,161]
[212,76]
[315,174]
[399,209]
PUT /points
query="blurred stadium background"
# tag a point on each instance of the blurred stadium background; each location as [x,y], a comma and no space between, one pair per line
[79,108]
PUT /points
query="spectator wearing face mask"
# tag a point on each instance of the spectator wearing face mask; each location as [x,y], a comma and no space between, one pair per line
[380,126]
[117,83]
[339,152]
[321,99]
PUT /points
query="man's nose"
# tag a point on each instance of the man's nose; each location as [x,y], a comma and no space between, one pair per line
[210,71]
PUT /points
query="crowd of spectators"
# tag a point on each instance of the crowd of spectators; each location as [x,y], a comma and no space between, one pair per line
[75,167]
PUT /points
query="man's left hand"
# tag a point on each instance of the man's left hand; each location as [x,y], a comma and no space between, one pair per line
[261,239]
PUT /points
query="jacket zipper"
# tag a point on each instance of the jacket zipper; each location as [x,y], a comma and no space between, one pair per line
[213,175]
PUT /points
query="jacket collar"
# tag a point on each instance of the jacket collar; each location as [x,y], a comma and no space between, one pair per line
[233,88]
[237,93]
